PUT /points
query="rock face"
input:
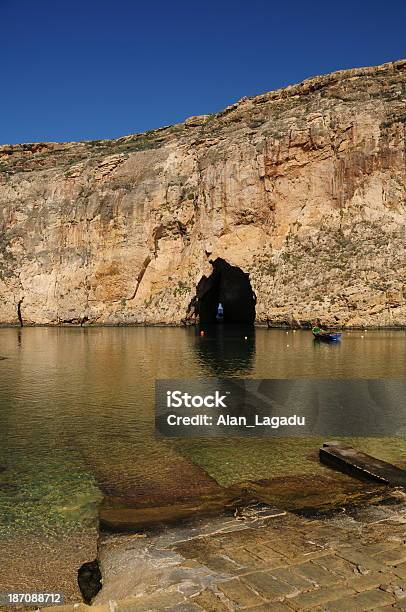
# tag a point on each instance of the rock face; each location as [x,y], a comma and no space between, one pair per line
[302,188]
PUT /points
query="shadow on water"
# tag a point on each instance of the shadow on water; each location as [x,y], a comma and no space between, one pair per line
[225,350]
[320,344]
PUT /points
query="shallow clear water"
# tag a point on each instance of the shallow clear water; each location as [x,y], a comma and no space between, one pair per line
[76,411]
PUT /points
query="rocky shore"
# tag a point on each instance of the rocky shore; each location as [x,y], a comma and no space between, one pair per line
[302,188]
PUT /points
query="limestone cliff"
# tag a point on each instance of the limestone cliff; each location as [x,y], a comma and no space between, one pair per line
[303,188]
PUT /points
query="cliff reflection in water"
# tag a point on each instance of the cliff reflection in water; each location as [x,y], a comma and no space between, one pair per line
[225,350]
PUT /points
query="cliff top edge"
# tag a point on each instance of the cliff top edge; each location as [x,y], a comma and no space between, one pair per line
[308,85]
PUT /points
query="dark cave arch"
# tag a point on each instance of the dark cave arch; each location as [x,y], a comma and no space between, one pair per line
[227,285]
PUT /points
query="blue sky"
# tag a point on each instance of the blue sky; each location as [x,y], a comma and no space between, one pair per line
[92,69]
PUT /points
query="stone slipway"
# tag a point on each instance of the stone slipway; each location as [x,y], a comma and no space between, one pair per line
[353,560]
[215,548]
[244,552]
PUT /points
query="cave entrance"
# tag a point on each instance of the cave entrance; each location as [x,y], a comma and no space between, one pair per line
[225,296]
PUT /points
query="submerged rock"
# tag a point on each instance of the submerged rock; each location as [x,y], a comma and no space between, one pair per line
[89,580]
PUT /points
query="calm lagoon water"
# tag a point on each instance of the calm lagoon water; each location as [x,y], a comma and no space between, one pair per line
[76,411]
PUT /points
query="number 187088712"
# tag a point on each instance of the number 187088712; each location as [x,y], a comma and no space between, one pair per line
[15,598]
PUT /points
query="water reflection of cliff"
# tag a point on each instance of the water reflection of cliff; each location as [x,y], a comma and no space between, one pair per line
[225,350]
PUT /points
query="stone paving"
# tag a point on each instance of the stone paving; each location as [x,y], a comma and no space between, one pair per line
[352,560]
